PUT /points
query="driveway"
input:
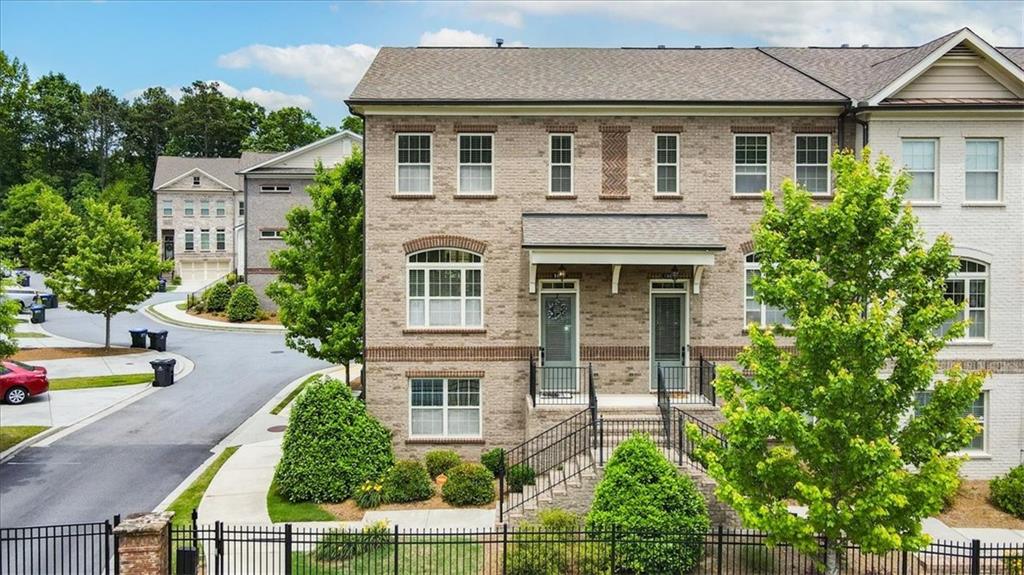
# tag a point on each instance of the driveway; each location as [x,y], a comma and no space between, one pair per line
[130,460]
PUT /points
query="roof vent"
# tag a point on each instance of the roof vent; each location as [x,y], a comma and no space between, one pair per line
[697,46]
[499,41]
[845,46]
[661,46]
[864,46]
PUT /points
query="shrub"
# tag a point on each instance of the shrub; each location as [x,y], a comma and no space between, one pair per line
[469,484]
[368,495]
[341,545]
[440,461]
[331,445]
[176,281]
[407,481]
[519,475]
[535,552]
[243,306]
[493,460]
[217,297]
[644,494]
[1007,492]
[231,279]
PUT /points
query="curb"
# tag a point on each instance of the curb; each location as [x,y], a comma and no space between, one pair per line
[19,447]
[164,319]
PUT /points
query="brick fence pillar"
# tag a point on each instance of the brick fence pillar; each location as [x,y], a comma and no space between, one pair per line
[143,541]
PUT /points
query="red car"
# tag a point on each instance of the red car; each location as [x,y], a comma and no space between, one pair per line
[19,381]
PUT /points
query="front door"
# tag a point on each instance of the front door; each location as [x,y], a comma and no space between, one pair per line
[667,339]
[558,338]
[168,237]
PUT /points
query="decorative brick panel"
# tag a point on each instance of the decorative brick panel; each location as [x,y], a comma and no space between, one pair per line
[753,129]
[614,161]
[481,128]
[747,246]
[613,352]
[668,129]
[262,271]
[561,128]
[453,353]
[444,241]
[814,129]
[414,128]
[468,373]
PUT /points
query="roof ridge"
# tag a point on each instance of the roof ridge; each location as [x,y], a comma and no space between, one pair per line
[799,71]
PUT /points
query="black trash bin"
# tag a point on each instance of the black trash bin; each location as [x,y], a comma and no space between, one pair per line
[163,372]
[158,340]
[48,300]
[138,337]
[38,313]
[161,285]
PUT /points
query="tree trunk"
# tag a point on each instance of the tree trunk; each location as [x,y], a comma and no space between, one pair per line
[831,558]
[348,378]
[106,344]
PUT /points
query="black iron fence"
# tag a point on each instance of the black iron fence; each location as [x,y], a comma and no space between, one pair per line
[74,548]
[686,449]
[690,384]
[221,549]
[560,385]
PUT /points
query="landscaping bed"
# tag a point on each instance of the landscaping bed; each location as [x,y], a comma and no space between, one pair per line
[348,510]
[45,353]
[972,508]
[271,318]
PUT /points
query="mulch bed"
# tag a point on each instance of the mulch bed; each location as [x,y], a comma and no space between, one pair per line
[222,317]
[971,508]
[44,353]
[348,510]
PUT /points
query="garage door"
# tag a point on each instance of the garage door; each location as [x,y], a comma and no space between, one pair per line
[203,271]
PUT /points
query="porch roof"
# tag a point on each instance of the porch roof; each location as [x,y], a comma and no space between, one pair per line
[620,232]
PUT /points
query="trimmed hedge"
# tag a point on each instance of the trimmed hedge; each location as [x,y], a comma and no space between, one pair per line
[519,475]
[331,446]
[469,484]
[440,461]
[407,481]
[217,297]
[532,554]
[243,305]
[1007,492]
[643,493]
[493,460]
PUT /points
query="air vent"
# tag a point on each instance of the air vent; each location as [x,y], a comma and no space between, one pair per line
[961,51]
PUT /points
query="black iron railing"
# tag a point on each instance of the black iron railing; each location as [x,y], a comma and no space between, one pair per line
[72,549]
[690,384]
[664,402]
[557,385]
[687,449]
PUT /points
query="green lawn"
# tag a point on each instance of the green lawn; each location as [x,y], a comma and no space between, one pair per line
[283,511]
[11,435]
[190,498]
[284,402]
[65,383]
[182,306]
[28,334]
[449,555]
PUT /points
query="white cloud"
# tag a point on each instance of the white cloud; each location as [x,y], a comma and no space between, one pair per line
[449,37]
[332,70]
[825,22]
[269,99]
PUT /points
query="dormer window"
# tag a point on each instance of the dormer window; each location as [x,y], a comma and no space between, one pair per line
[195,180]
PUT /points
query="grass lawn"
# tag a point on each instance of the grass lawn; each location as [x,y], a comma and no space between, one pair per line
[190,498]
[450,555]
[182,306]
[283,511]
[65,383]
[11,435]
[28,334]
[294,393]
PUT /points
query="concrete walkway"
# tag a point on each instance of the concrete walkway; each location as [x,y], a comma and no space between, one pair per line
[987,535]
[168,312]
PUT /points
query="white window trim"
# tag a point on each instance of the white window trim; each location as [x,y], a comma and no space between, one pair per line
[184,237]
[973,452]
[935,171]
[241,207]
[998,171]
[570,286]
[430,166]
[218,233]
[657,165]
[277,234]
[571,164]
[204,232]
[966,277]
[444,410]
[827,164]
[427,266]
[167,208]
[189,209]
[459,164]
[196,180]
[275,188]
[220,209]
[767,165]
[764,307]
[204,205]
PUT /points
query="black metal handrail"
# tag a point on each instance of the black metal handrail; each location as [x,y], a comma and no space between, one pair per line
[690,384]
[664,402]
[558,385]
[685,447]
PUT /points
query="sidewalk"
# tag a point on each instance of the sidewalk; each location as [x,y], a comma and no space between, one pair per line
[168,313]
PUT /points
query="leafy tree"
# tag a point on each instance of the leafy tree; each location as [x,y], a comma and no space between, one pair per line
[826,426]
[57,143]
[208,124]
[148,126]
[243,305]
[51,238]
[320,287]
[113,268]
[22,206]
[8,321]
[353,124]
[124,194]
[104,116]
[286,129]
[14,119]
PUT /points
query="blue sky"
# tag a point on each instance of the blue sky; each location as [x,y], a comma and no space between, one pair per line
[311,54]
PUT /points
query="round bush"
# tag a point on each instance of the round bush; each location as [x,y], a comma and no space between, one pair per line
[469,484]
[519,475]
[493,460]
[407,481]
[440,461]
[243,305]
[331,445]
[1007,492]
[643,493]
[217,297]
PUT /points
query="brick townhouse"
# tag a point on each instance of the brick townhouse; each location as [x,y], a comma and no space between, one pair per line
[544,223]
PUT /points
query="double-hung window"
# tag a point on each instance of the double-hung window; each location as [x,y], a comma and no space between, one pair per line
[751,167]
[561,164]
[414,168]
[667,160]
[977,410]
[241,207]
[476,173]
[919,160]
[221,209]
[982,164]
[445,289]
[755,311]
[444,407]
[204,208]
[221,239]
[168,208]
[969,286]
[190,209]
[204,239]
[190,240]
[812,170]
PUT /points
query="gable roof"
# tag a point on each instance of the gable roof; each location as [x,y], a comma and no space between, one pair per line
[273,159]
[172,168]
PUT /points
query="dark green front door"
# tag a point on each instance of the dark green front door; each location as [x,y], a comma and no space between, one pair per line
[558,337]
[667,337]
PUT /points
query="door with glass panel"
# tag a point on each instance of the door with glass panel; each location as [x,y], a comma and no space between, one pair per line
[667,339]
[558,338]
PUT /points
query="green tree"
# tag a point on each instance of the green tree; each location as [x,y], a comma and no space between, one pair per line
[208,124]
[51,238]
[286,129]
[320,286]
[148,126]
[113,268]
[353,124]
[22,206]
[57,143]
[14,120]
[828,426]
[104,116]
[8,320]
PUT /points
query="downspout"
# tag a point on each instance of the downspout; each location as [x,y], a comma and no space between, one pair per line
[362,375]
[864,125]
[841,125]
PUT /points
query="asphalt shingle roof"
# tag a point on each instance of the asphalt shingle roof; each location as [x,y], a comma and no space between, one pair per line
[679,231]
[169,168]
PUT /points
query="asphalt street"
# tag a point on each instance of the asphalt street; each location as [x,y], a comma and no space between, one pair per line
[130,460]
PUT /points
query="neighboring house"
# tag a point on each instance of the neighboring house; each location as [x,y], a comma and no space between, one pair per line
[589,212]
[272,188]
